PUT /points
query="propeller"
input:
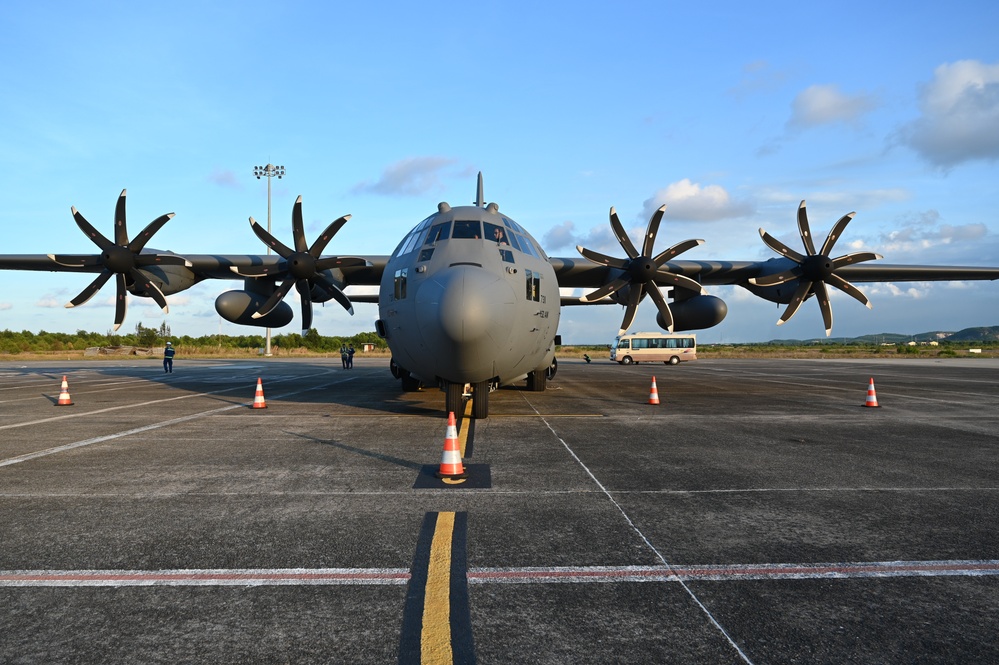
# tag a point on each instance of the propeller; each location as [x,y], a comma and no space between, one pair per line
[641,271]
[815,270]
[122,259]
[302,265]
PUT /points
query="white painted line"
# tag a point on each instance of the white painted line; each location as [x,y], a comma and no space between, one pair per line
[647,542]
[146,428]
[528,575]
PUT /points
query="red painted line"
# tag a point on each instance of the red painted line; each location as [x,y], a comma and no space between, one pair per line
[573,575]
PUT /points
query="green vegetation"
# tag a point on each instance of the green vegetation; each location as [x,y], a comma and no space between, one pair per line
[26,342]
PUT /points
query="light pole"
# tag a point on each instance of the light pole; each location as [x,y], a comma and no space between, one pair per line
[268,172]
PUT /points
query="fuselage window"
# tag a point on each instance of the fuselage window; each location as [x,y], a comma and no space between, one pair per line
[465,229]
[533,285]
[438,232]
[425,254]
[400,283]
[506,255]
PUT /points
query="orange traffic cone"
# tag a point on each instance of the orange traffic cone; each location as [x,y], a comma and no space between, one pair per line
[654,394]
[258,399]
[64,399]
[872,397]
[451,466]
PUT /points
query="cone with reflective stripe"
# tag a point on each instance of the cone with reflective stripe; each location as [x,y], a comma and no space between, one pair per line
[258,399]
[64,399]
[872,397]
[654,393]
[451,466]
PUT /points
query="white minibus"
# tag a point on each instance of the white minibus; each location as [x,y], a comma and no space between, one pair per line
[639,347]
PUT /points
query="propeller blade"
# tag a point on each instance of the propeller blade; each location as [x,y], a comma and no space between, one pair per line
[91,232]
[298,226]
[835,232]
[120,228]
[675,250]
[856,257]
[279,248]
[305,295]
[340,262]
[796,300]
[680,281]
[664,310]
[650,234]
[151,289]
[120,301]
[140,240]
[320,244]
[851,290]
[91,290]
[603,259]
[260,271]
[804,230]
[74,261]
[275,298]
[822,295]
[621,236]
[632,307]
[337,294]
[781,248]
[777,278]
[161,260]
[606,289]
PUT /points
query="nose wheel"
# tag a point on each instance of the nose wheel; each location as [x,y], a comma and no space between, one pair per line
[454,398]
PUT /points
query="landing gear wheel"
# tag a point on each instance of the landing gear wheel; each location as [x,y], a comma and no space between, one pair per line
[480,400]
[454,400]
[536,381]
[552,370]
[410,384]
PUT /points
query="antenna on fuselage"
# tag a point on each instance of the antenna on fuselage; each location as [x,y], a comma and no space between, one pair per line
[480,198]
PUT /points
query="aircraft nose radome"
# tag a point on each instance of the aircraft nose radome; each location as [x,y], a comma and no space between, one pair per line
[471,306]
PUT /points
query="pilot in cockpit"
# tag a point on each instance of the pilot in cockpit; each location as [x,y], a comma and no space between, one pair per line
[500,236]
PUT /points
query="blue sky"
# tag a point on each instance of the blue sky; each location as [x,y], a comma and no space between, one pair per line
[730,113]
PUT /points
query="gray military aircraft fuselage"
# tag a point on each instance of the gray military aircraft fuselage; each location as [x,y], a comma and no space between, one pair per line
[469,297]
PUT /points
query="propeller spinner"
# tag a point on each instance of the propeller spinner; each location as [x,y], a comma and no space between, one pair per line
[641,270]
[121,258]
[302,266]
[815,270]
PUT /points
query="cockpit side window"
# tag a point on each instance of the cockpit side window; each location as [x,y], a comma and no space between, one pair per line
[467,229]
[497,234]
[438,232]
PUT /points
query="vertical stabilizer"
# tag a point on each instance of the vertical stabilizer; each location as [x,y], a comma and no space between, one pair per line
[480,199]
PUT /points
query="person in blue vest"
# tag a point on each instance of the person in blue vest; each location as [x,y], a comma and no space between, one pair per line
[168,358]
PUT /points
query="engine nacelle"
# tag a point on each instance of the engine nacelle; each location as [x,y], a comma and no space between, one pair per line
[240,306]
[695,313]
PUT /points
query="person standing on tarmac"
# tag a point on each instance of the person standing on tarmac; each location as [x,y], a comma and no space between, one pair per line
[350,357]
[343,355]
[168,358]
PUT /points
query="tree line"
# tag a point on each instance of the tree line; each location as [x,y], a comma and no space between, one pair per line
[41,342]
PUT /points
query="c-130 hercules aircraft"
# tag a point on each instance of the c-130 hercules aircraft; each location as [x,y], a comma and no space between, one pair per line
[469,297]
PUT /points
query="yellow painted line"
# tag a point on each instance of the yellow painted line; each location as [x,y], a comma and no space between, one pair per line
[463,430]
[435,639]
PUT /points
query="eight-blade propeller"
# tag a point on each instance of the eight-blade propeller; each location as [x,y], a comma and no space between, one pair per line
[641,270]
[814,270]
[302,266]
[122,258]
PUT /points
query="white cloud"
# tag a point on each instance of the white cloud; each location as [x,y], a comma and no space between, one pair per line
[686,200]
[225,178]
[408,177]
[5,306]
[960,115]
[826,105]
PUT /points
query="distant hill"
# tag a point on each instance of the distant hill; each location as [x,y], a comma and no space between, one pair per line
[980,334]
